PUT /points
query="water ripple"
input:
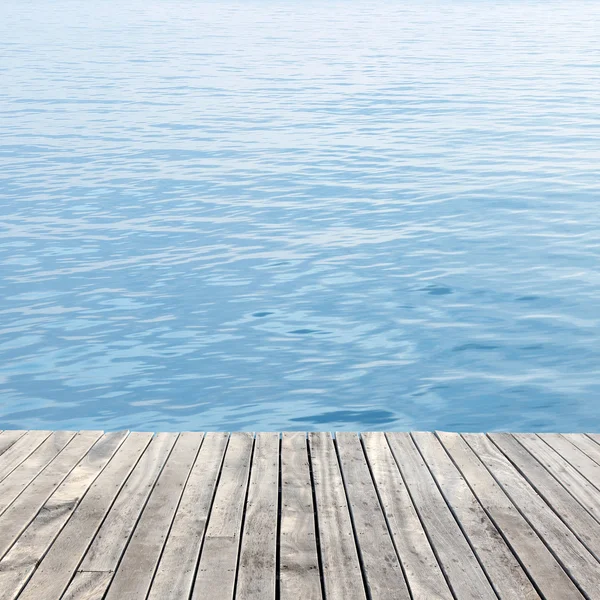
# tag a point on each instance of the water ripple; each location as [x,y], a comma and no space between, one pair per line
[300,215]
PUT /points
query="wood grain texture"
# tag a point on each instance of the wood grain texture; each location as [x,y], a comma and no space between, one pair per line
[20,450]
[502,568]
[557,482]
[581,461]
[136,570]
[257,568]
[21,512]
[380,516]
[54,572]
[533,554]
[586,444]
[108,544]
[425,578]
[88,586]
[382,570]
[460,565]
[8,438]
[342,574]
[14,484]
[215,579]
[299,563]
[577,561]
[177,567]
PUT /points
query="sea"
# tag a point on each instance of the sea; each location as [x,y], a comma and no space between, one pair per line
[300,215]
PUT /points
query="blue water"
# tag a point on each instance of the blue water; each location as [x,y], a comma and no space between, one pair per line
[300,215]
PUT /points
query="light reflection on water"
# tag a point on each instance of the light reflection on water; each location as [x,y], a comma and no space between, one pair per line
[300,215]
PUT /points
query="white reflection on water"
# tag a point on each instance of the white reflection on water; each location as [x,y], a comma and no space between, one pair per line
[263,215]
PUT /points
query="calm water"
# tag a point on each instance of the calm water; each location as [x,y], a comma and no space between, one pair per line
[300,215]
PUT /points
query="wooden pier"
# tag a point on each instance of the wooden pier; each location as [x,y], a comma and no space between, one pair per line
[123,516]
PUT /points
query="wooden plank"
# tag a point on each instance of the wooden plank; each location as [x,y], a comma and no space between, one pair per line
[585,444]
[8,438]
[113,536]
[581,566]
[460,565]
[177,567]
[216,575]
[86,513]
[595,437]
[136,570]
[546,481]
[257,567]
[88,586]
[502,568]
[425,578]
[299,562]
[18,516]
[538,561]
[581,461]
[20,451]
[342,576]
[381,567]
[29,469]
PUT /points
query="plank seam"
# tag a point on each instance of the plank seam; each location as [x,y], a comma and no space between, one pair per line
[208,515]
[383,512]
[543,496]
[596,460]
[352,524]
[30,521]
[138,517]
[595,517]
[24,457]
[76,570]
[67,521]
[13,442]
[316,519]
[595,485]
[420,517]
[239,552]
[162,550]
[491,518]
[455,516]
[279,511]
[591,438]
[41,471]
[541,537]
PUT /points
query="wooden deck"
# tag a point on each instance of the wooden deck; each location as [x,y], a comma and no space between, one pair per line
[299,517]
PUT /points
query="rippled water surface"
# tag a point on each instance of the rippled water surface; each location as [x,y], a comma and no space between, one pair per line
[300,215]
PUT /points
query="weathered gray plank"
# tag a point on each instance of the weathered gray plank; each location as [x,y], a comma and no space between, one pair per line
[8,438]
[215,579]
[382,569]
[20,451]
[134,574]
[108,545]
[585,444]
[29,469]
[546,481]
[299,562]
[86,514]
[581,461]
[573,556]
[425,578]
[257,568]
[502,568]
[539,563]
[175,573]
[460,565]
[341,568]
[21,512]
[88,586]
